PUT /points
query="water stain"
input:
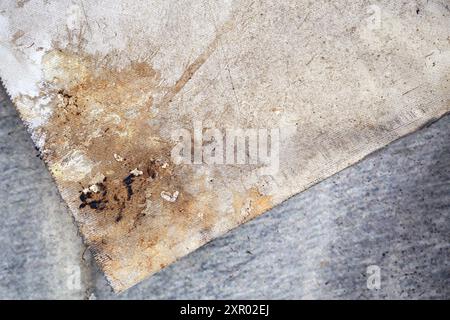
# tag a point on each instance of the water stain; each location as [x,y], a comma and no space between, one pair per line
[103,114]
[104,148]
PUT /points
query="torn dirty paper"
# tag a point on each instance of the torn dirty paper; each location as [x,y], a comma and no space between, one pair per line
[167,123]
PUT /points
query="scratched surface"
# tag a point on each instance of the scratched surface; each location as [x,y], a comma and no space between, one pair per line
[103,86]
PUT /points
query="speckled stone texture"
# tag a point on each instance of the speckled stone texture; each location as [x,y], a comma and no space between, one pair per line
[391,210]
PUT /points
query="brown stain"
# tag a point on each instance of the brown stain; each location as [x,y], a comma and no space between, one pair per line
[104,113]
[21,3]
[101,112]
[194,66]
[16,36]
[250,203]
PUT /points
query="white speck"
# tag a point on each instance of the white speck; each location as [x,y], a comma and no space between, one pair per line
[73,166]
[118,158]
[135,172]
[165,165]
[169,197]
[94,188]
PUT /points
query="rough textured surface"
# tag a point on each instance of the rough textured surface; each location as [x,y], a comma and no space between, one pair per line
[105,91]
[391,209]
[40,249]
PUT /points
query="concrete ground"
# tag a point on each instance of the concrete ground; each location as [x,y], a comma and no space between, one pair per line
[390,213]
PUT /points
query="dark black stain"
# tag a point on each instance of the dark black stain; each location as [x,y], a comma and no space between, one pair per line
[128,181]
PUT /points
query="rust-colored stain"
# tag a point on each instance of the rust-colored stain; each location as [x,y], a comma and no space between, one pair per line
[131,200]
[102,114]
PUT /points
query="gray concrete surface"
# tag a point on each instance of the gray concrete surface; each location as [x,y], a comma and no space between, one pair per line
[391,210]
[39,247]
